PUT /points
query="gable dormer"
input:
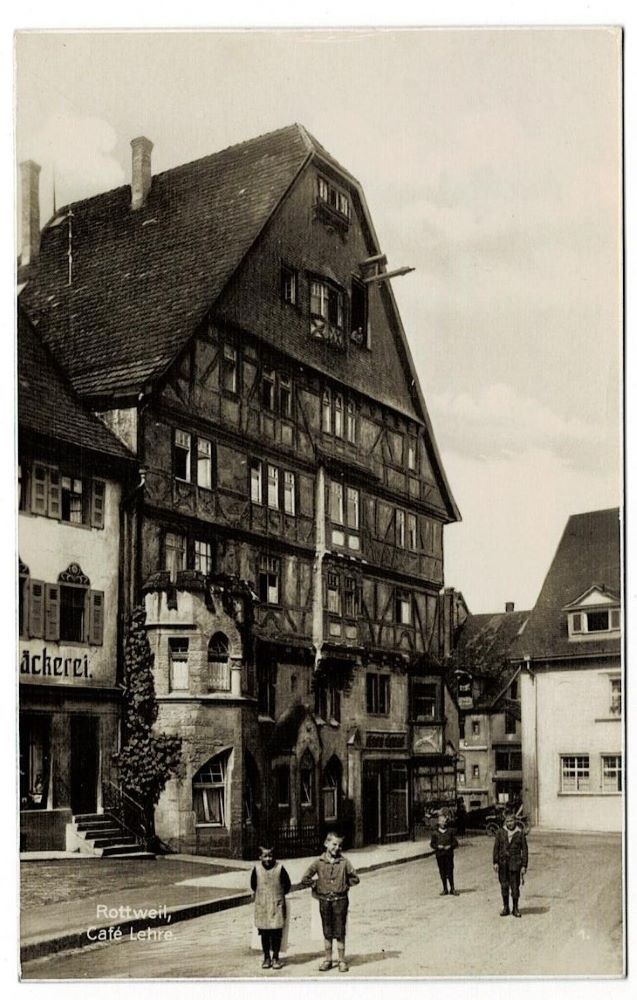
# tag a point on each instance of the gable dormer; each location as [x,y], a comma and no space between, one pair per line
[596,614]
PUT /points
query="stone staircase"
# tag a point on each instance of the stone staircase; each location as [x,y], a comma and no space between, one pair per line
[101,835]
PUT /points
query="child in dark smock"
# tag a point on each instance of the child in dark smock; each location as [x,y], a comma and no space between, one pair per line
[270,884]
[444,843]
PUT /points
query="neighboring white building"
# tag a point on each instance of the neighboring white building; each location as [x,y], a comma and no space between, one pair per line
[571,683]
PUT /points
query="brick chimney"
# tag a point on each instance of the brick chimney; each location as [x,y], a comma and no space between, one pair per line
[141,175]
[30,211]
[509,607]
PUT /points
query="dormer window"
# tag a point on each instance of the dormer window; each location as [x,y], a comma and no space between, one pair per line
[326,312]
[596,614]
[330,196]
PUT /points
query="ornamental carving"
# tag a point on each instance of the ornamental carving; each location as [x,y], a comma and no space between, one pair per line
[74,574]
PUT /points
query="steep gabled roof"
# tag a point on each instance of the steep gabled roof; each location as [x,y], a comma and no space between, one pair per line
[483,648]
[588,554]
[48,405]
[143,280]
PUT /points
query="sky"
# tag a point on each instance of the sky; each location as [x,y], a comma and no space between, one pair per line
[490,161]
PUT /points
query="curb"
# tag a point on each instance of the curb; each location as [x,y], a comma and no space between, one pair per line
[79,939]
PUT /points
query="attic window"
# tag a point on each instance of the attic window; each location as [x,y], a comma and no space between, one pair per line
[332,198]
[358,316]
[594,622]
[326,312]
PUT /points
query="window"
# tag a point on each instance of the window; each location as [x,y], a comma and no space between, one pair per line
[203,557]
[23,600]
[35,760]
[266,687]
[333,594]
[282,785]
[72,611]
[182,455]
[425,700]
[598,621]
[351,597]
[338,415]
[289,285]
[336,503]
[358,317]
[256,480]
[587,622]
[461,727]
[353,507]
[331,789]
[400,528]
[229,369]
[218,663]
[510,723]
[326,410]
[65,497]
[412,532]
[326,312]
[331,196]
[285,396]
[204,463]
[575,773]
[289,493]
[612,773]
[508,760]
[306,772]
[273,487]
[475,727]
[403,608]
[615,696]
[327,701]
[178,653]
[475,770]
[174,553]
[351,422]
[72,495]
[461,771]
[411,454]
[269,573]
[267,391]
[209,792]
[378,694]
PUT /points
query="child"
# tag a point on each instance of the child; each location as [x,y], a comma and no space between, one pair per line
[270,883]
[331,876]
[444,843]
[510,860]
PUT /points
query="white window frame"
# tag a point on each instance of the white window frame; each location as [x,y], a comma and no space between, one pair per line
[179,679]
[217,786]
[183,443]
[203,557]
[352,507]
[256,481]
[204,463]
[578,622]
[581,773]
[289,493]
[337,503]
[273,487]
[613,771]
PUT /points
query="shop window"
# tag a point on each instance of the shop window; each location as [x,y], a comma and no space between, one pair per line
[35,755]
[218,663]
[377,694]
[204,463]
[178,655]
[612,773]
[266,688]
[269,579]
[230,370]
[209,790]
[282,786]
[182,455]
[289,285]
[256,480]
[575,772]
[174,553]
[289,493]
[306,775]
[402,610]
[203,557]
[425,701]
[332,776]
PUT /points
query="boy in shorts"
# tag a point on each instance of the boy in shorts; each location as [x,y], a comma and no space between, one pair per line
[331,876]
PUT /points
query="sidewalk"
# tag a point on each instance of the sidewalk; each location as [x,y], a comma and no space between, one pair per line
[162,896]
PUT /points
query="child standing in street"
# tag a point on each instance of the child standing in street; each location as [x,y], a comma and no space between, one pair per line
[510,861]
[331,876]
[270,884]
[444,843]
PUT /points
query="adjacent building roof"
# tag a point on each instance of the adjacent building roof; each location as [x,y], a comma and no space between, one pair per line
[483,649]
[48,405]
[588,555]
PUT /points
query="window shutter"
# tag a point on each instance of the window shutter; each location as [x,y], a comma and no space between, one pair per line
[55,501]
[96,617]
[615,619]
[38,490]
[52,615]
[36,609]
[97,503]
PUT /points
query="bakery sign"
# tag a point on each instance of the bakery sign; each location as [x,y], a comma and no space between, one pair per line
[53,664]
[385,741]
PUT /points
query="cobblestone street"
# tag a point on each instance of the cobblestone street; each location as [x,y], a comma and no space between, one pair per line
[400,926]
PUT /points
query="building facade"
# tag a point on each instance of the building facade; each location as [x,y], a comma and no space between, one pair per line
[571,683]
[73,474]
[289,536]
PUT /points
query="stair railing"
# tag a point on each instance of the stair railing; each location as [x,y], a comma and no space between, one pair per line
[126,811]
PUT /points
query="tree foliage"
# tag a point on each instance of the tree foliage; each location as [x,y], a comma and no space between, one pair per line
[147,759]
